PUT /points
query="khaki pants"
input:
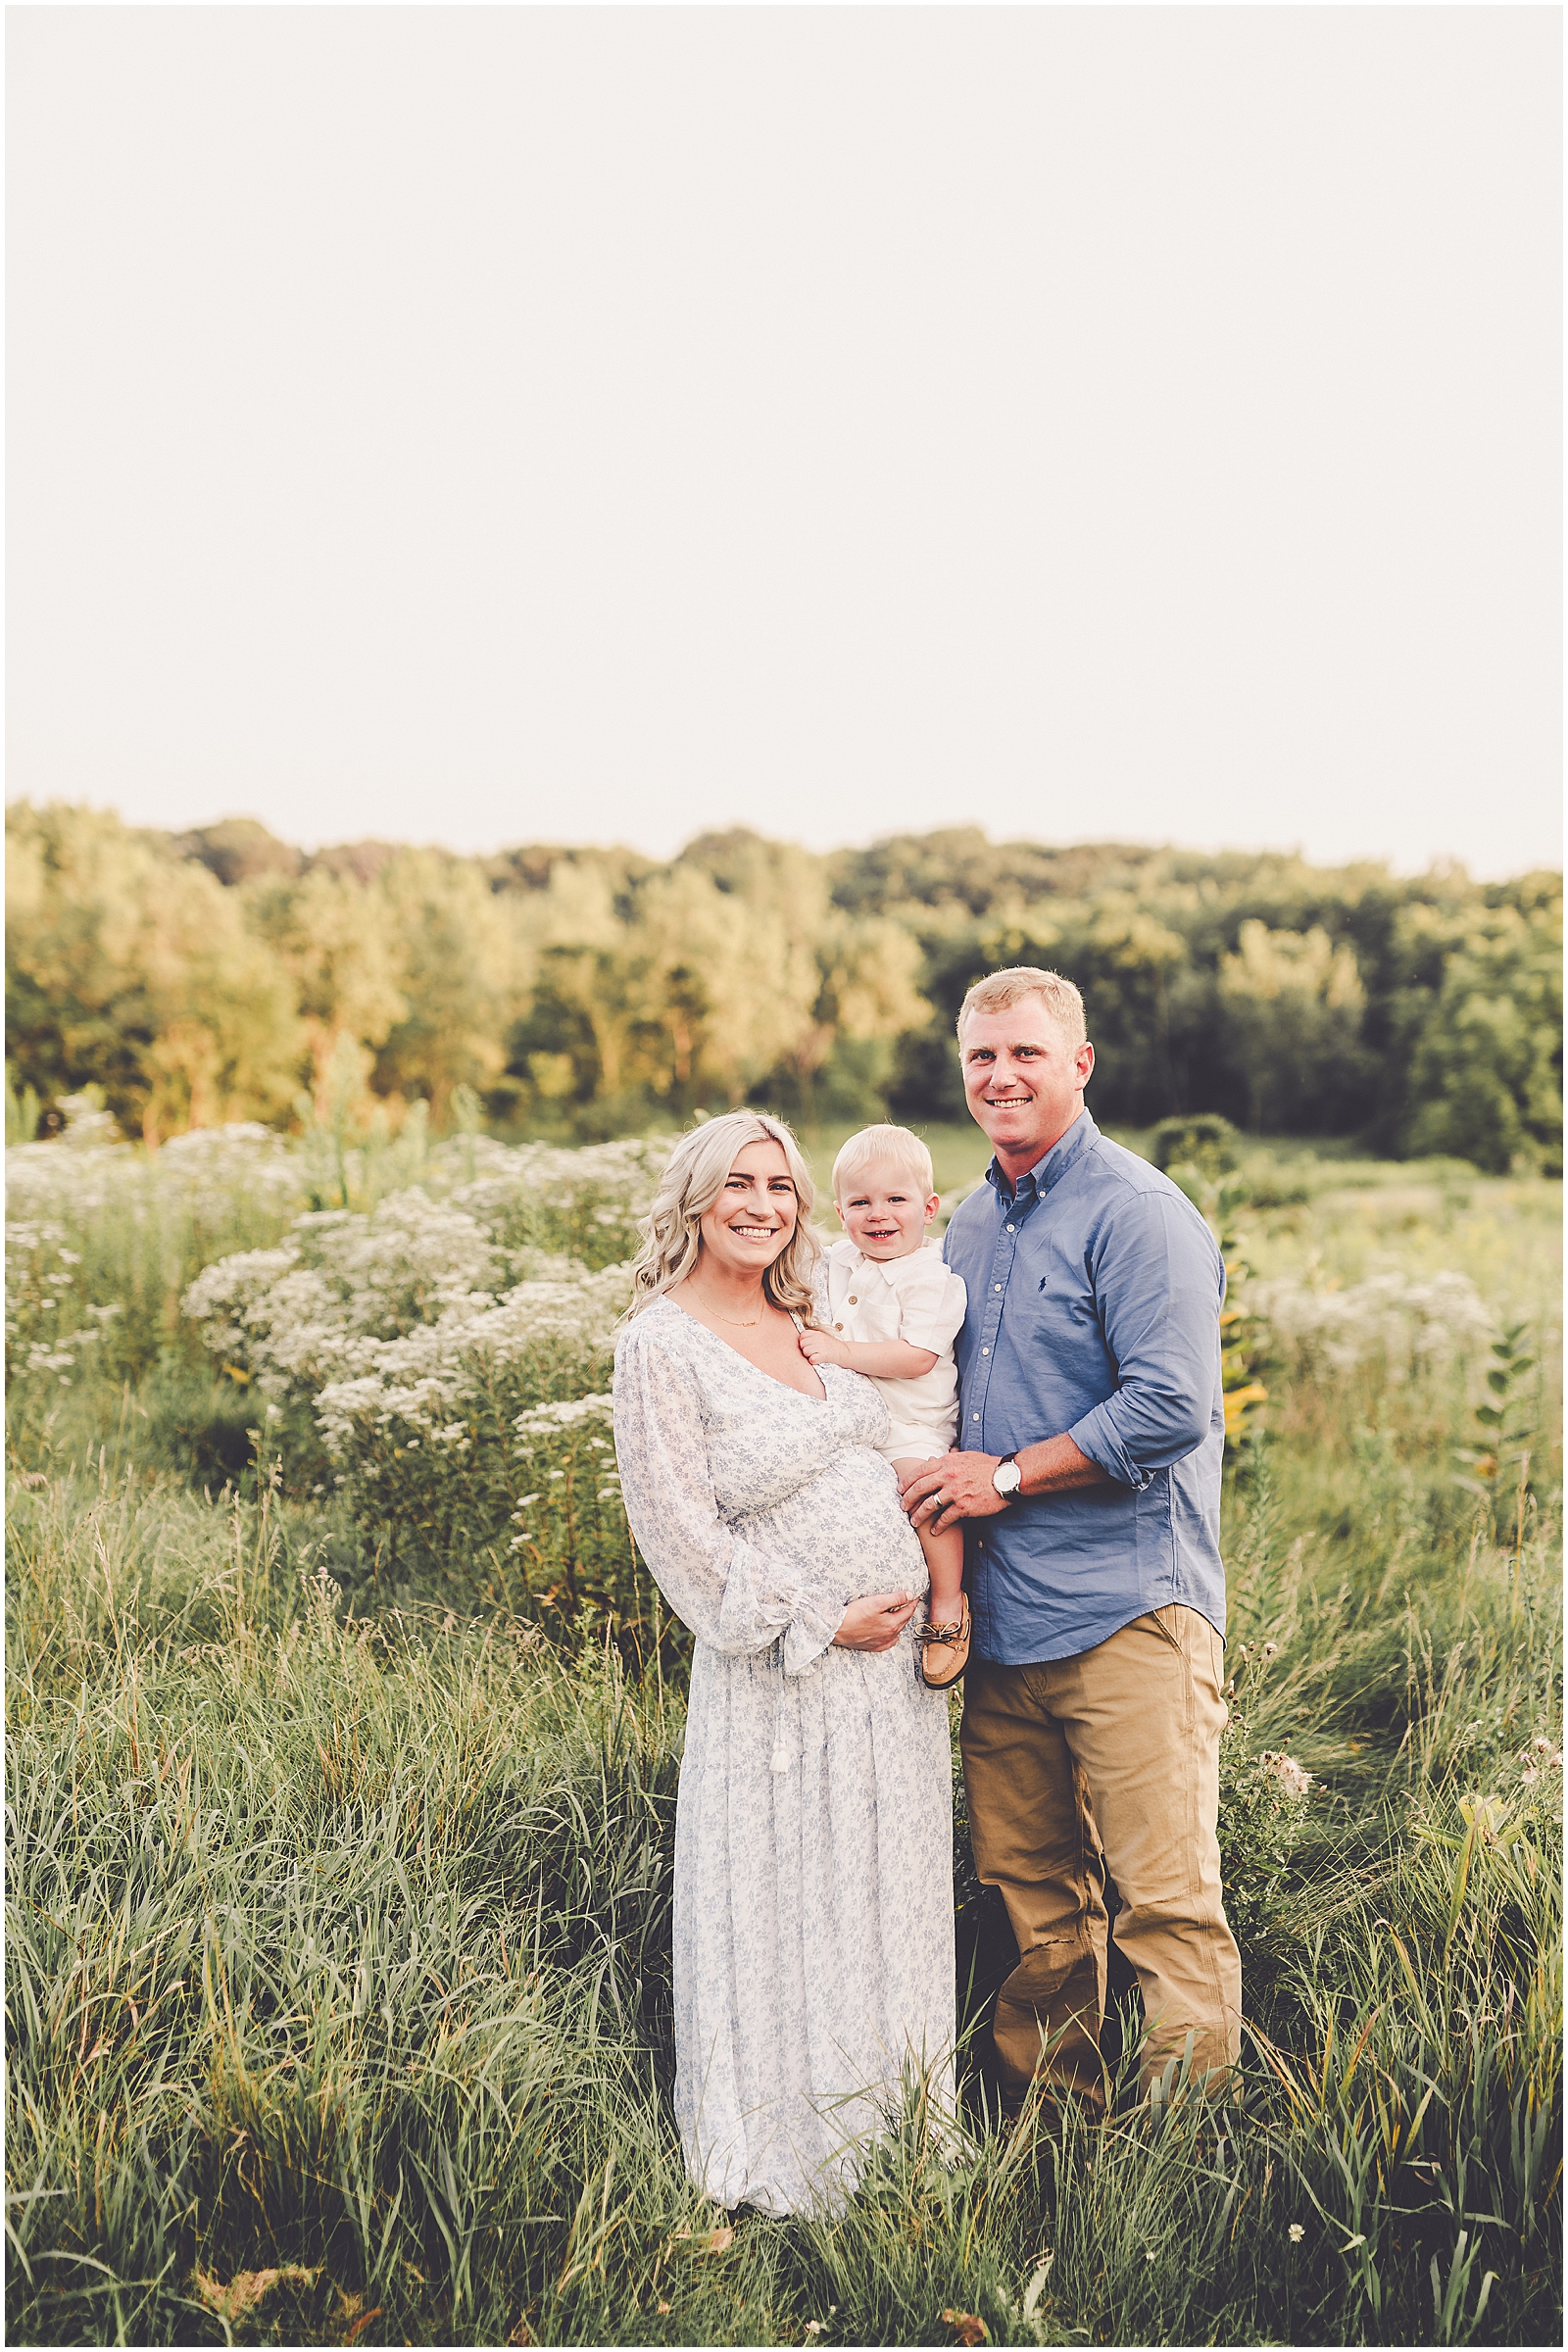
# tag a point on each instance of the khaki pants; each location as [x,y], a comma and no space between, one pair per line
[1106,1759]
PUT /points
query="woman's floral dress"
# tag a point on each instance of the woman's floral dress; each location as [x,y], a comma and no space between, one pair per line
[813,1845]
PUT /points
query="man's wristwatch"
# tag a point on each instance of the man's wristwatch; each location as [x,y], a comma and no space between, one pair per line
[1007,1477]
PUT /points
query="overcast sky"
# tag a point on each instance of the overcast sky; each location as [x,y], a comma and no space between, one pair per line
[500,424]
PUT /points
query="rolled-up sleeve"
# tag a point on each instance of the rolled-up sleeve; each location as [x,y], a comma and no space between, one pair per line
[932,1302]
[1159,1283]
[731,1596]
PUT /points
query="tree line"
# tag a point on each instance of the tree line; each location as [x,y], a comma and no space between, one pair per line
[586,993]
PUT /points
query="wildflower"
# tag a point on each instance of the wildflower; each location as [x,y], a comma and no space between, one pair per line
[1293,1779]
[1404,1325]
[1148,2253]
[1271,1649]
[1296,2234]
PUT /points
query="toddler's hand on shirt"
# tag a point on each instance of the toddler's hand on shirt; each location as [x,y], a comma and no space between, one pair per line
[822,1347]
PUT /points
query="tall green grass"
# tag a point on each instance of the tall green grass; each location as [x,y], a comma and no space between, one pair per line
[337,1938]
[339,1946]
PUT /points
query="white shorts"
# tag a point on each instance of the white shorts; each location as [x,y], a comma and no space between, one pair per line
[908,1442]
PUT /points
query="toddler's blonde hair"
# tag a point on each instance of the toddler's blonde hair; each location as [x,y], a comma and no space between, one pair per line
[887,1148]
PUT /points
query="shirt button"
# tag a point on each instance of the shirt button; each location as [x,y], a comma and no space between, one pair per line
[838,1327]
[1009,1229]
[996,1285]
[985,1351]
[853,1301]
[974,1416]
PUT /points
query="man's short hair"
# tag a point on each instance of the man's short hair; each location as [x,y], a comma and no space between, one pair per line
[999,991]
[895,1148]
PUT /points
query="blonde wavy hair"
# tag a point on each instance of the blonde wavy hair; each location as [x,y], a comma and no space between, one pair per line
[693,1180]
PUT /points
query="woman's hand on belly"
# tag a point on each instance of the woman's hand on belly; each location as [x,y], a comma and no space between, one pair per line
[875,1621]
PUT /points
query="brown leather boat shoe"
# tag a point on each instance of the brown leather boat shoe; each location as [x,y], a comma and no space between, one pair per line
[945,1650]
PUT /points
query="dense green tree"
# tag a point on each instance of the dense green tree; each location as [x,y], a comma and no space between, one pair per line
[844,987]
[1486,1083]
[589,991]
[240,850]
[461,972]
[342,958]
[134,971]
[1295,1002]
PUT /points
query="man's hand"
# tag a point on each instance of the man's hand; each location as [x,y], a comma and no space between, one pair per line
[956,1487]
[875,1621]
[822,1347]
[962,1482]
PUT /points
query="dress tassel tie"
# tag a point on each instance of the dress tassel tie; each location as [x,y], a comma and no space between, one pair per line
[779,1760]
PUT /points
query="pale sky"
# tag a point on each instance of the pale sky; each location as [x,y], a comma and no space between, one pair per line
[502,425]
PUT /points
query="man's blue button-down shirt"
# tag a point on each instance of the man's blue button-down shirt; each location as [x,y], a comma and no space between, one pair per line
[1094,1294]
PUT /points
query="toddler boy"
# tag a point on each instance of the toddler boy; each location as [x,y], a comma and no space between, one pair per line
[895,1310]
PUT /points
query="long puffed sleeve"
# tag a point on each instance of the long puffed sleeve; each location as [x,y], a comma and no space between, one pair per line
[731,1596]
[1159,1282]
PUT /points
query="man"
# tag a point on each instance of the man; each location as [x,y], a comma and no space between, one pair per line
[1088,1467]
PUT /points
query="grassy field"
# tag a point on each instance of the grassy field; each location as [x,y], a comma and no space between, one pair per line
[342,1774]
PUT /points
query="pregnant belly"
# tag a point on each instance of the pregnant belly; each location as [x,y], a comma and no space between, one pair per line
[844,1532]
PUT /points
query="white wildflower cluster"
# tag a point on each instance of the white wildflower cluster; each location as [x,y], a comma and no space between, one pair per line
[1539,1761]
[90,1171]
[429,1346]
[1401,1326]
[1263,1802]
[98,1232]
[212,1165]
[391,1318]
[45,1328]
[1285,1768]
[544,1420]
[570,1434]
[286,1317]
[418,1384]
[588,1202]
[83,1172]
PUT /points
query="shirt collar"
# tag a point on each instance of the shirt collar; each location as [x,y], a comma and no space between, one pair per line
[1036,1182]
[856,1260]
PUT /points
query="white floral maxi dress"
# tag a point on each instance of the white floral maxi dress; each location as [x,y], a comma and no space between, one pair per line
[813,1839]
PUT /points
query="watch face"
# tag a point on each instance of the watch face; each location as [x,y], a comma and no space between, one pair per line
[1006,1478]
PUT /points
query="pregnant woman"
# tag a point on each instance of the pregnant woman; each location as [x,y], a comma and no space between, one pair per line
[814,1880]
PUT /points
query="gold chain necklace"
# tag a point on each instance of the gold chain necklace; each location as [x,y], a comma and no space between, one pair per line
[733,1324]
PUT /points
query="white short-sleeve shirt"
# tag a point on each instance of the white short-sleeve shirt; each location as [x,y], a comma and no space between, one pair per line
[921,1300]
